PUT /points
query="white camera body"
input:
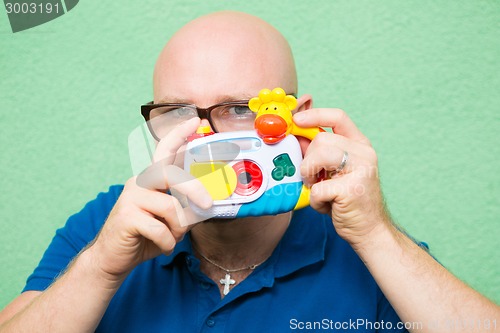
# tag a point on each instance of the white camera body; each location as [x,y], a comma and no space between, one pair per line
[245,176]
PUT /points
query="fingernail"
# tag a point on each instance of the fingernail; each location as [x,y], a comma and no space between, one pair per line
[206,202]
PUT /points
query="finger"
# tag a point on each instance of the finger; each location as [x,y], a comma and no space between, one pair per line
[194,190]
[337,119]
[332,191]
[159,175]
[156,231]
[163,177]
[169,208]
[165,207]
[194,216]
[169,145]
[330,161]
[326,152]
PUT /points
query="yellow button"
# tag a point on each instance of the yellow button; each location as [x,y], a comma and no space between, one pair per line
[218,178]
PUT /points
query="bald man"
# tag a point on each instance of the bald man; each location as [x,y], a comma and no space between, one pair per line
[125,263]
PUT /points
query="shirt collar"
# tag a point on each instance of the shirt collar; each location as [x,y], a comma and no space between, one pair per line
[184,246]
[303,244]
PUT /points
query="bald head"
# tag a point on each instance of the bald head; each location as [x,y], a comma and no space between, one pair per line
[223,56]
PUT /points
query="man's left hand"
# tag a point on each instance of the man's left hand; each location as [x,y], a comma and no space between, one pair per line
[352,196]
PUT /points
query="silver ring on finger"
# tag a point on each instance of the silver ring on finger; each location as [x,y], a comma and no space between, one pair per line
[343,163]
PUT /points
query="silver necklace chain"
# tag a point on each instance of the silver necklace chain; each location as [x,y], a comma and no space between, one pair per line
[227,270]
[227,281]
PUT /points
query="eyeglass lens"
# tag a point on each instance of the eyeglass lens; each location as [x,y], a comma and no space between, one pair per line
[225,118]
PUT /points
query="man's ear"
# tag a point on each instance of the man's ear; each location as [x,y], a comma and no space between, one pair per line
[304,102]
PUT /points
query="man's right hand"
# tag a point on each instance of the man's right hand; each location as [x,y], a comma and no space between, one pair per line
[146,221]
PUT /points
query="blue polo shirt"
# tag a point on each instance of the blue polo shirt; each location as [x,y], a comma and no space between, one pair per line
[313,281]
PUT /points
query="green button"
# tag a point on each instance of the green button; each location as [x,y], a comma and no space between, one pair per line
[283,167]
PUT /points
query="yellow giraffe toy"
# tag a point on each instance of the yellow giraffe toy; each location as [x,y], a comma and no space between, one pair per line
[274,116]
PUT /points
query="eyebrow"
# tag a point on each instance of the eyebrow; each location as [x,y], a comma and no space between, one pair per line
[220,99]
[167,99]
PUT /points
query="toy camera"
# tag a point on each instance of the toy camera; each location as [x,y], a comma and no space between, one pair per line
[245,176]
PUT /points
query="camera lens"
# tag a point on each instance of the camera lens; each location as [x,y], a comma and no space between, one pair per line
[244,178]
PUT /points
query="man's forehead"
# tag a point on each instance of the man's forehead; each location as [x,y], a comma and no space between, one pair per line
[223,64]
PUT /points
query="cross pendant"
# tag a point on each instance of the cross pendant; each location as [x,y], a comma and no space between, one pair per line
[227,281]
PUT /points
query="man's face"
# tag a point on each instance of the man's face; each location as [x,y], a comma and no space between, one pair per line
[220,58]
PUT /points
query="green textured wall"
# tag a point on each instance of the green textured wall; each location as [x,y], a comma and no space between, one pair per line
[420,78]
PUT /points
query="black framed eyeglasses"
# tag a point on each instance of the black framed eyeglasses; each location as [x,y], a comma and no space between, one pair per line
[223,117]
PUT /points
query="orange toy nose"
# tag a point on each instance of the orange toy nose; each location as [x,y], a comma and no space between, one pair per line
[271,128]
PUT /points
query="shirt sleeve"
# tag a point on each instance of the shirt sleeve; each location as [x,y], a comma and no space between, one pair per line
[80,229]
